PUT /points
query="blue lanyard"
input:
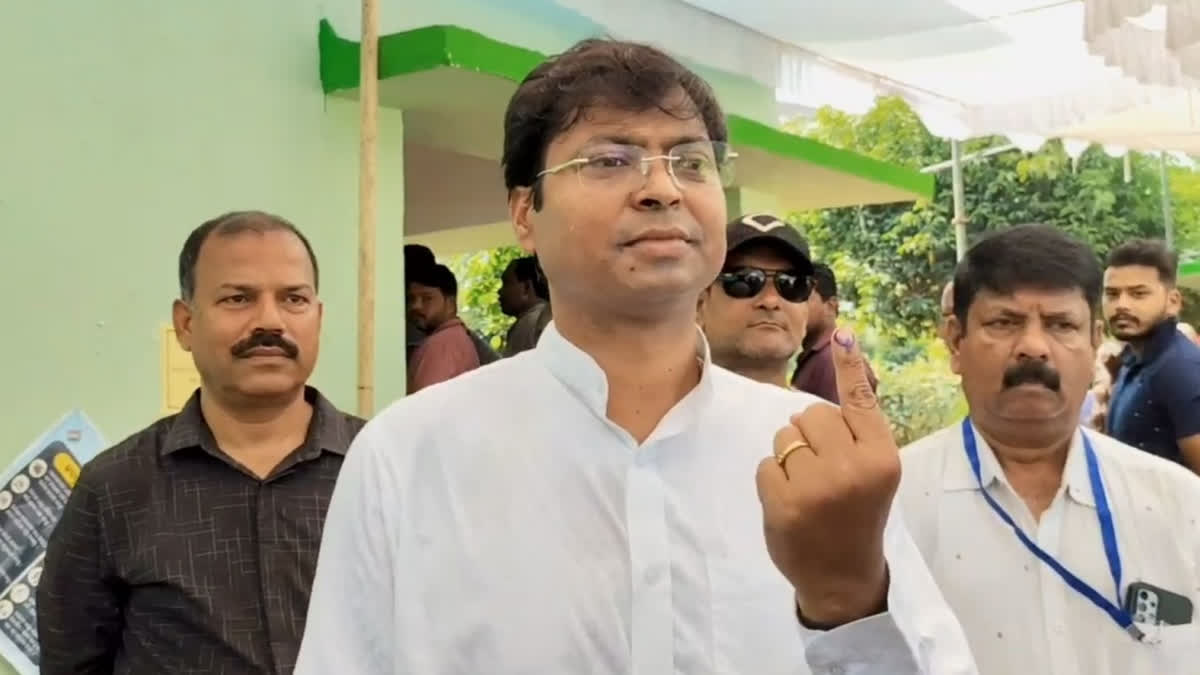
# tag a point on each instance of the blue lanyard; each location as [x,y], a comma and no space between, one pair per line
[1107,532]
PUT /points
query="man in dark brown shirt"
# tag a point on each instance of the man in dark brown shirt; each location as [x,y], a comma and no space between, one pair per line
[191,546]
[814,369]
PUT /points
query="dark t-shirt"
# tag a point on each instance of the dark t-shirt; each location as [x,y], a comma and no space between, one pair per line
[1156,397]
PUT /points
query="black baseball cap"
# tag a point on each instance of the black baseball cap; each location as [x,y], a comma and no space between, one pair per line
[769,230]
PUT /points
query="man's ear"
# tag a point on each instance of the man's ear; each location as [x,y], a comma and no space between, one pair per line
[181,319]
[954,336]
[520,211]
[1174,301]
[1097,333]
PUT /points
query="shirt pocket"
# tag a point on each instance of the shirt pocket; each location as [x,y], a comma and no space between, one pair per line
[1176,652]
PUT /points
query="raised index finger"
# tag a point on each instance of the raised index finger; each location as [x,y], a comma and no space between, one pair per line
[860,406]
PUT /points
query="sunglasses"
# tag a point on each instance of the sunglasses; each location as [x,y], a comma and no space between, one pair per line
[748,282]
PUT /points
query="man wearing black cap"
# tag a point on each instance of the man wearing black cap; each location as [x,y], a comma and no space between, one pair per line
[755,313]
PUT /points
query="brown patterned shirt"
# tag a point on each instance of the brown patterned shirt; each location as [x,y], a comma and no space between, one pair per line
[171,558]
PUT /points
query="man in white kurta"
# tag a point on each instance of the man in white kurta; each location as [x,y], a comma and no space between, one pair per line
[1025,358]
[477,530]
[590,506]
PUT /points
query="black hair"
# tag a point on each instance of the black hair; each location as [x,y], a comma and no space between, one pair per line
[1147,253]
[229,224]
[1034,256]
[527,270]
[436,276]
[824,281]
[596,72]
[418,255]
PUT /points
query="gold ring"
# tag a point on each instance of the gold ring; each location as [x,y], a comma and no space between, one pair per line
[794,446]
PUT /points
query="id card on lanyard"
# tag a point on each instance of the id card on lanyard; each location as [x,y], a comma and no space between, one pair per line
[1107,532]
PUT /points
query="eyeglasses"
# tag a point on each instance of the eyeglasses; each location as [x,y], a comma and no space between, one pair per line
[748,282]
[698,163]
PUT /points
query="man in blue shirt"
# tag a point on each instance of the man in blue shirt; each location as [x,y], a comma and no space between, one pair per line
[1156,398]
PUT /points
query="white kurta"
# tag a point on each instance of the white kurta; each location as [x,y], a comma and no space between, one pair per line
[1020,616]
[498,523]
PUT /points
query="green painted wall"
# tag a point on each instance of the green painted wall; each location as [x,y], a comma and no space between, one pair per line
[124,125]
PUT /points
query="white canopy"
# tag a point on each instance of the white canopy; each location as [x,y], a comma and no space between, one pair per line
[1020,68]
[1155,41]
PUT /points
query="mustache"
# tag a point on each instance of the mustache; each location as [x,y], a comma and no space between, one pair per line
[265,339]
[1122,315]
[1032,371]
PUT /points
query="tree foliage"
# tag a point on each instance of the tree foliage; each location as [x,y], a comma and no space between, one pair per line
[895,258]
[478,277]
[1185,203]
[920,394]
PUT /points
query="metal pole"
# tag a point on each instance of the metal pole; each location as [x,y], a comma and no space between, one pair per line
[982,154]
[960,209]
[368,99]
[1168,226]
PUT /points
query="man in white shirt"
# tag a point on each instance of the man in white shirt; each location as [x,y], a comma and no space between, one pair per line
[1023,337]
[588,506]
[754,314]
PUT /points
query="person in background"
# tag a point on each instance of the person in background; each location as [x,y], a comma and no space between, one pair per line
[1024,337]
[755,314]
[416,257]
[190,547]
[1108,364]
[524,296]
[419,258]
[1156,404]
[448,349]
[588,507]
[814,369]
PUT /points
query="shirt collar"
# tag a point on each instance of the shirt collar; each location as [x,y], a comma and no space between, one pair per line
[958,475]
[448,324]
[821,344]
[579,373]
[327,430]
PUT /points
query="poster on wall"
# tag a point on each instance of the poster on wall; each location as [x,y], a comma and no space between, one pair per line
[33,492]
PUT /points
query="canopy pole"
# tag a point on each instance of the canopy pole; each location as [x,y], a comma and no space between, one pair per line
[1168,225]
[368,100]
[960,209]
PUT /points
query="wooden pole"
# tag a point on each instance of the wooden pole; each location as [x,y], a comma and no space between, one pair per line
[960,207]
[368,99]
